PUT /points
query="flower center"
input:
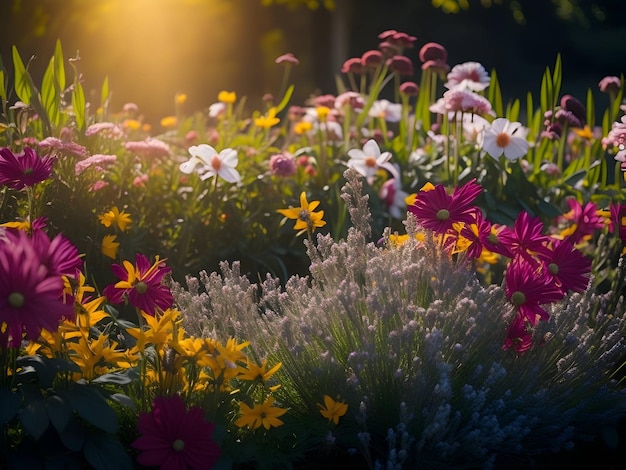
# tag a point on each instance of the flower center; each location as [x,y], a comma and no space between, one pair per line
[141,287]
[553,268]
[443,214]
[304,216]
[370,162]
[518,298]
[27,171]
[16,299]
[503,140]
[178,445]
[216,163]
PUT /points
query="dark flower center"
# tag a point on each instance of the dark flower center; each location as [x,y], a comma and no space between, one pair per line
[141,287]
[553,268]
[304,216]
[443,214]
[518,298]
[16,299]
[178,445]
[27,171]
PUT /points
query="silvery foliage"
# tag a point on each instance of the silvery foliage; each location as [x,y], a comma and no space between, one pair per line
[412,342]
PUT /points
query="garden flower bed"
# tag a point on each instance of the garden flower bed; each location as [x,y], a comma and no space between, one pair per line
[409,273]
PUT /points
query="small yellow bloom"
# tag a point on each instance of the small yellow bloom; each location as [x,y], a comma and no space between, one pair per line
[302,127]
[132,124]
[267,121]
[263,414]
[227,97]
[20,225]
[584,133]
[180,98]
[169,122]
[306,219]
[254,372]
[322,113]
[116,218]
[109,246]
[333,410]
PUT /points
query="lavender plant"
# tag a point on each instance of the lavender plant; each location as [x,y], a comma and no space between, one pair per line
[410,340]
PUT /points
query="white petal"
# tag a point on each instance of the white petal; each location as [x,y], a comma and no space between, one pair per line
[490,146]
[204,152]
[189,165]
[229,157]
[371,149]
[498,125]
[517,148]
[356,154]
[229,174]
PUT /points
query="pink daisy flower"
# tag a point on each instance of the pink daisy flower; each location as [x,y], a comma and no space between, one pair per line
[528,288]
[525,240]
[174,438]
[24,169]
[468,76]
[568,267]
[438,211]
[141,285]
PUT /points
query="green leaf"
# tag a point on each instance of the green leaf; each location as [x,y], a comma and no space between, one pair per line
[118,379]
[34,418]
[104,452]
[59,66]
[59,412]
[78,104]
[3,89]
[495,94]
[545,96]
[50,98]
[73,435]
[591,110]
[285,99]
[22,87]
[9,405]
[104,92]
[557,78]
[91,405]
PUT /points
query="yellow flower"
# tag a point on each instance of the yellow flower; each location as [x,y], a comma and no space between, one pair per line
[584,133]
[115,217]
[322,113]
[333,409]
[160,329]
[259,415]
[254,372]
[268,120]
[227,97]
[132,124]
[306,219]
[169,121]
[20,225]
[180,98]
[90,354]
[110,246]
[302,127]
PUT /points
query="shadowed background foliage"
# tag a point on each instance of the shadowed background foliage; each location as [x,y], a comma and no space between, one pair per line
[152,49]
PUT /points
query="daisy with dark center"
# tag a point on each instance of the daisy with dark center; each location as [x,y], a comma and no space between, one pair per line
[25,169]
[568,267]
[306,219]
[174,438]
[141,285]
[528,288]
[438,211]
[525,240]
[31,298]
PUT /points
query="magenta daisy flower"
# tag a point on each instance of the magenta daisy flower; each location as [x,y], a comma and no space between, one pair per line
[524,240]
[141,285]
[584,220]
[174,438]
[30,297]
[568,267]
[476,232]
[437,210]
[528,287]
[519,335]
[59,255]
[24,169]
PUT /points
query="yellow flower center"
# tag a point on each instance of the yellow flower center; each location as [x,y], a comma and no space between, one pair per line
[503,139]
[16,299]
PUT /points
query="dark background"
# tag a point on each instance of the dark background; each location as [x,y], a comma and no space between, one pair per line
[152,49]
